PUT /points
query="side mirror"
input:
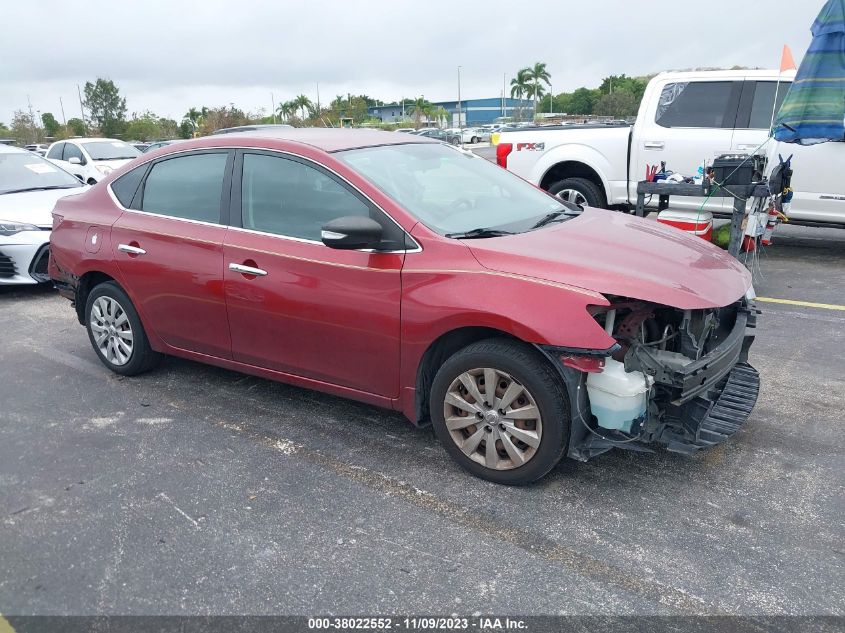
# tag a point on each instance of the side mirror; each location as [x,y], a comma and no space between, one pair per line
[74,160]
[351,232]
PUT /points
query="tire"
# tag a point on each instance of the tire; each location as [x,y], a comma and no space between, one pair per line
[515,364]
[473,140]
[591,194]
[140,357]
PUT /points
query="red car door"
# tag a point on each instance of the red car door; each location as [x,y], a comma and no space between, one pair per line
[296,305]
[169,249]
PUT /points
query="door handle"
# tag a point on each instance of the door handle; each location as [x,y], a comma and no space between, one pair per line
[654,144]
[247,270]
[132,250]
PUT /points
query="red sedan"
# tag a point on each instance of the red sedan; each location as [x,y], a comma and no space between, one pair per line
[412,275]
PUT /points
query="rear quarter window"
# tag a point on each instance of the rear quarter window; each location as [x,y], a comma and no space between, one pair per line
[124,188]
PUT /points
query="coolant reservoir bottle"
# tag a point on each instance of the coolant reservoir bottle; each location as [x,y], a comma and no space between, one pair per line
[617,397]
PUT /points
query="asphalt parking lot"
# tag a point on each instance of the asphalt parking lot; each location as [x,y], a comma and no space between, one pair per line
[195,490]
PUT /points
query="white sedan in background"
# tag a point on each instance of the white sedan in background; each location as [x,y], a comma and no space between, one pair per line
[90,159]
[29,188]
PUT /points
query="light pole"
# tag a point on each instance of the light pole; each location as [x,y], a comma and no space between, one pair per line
[460,121]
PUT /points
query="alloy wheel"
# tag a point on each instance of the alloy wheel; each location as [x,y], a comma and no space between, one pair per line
[572,195]
[112,330]
[492,418]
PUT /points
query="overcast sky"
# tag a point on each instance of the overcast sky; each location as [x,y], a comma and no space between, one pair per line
[169,55]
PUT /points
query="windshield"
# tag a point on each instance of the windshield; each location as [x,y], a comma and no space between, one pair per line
[110,150]
[27,172]
[452,191]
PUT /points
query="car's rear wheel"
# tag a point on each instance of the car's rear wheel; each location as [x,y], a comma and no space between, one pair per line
[474,140]
[501,411]
[115,331]
[578,191]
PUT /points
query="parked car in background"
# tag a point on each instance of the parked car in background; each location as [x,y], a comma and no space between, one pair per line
[140,146]
[29,188]
[38,148]
[411,275]
[440,135]
[406,130]
[158,144]
[90,159]
[685,119]
[251,128]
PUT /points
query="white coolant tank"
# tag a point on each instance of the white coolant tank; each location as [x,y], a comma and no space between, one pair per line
[617,397]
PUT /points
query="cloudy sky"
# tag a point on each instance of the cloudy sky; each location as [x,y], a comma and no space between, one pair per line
[169,55]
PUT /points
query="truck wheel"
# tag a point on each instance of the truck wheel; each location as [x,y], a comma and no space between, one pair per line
[579,191]
[501,411]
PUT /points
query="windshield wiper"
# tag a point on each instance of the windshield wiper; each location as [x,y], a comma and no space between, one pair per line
[568,209]
[479,232]
[40,188]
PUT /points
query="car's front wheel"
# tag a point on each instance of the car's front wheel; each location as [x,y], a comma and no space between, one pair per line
[501,411]
[115,331]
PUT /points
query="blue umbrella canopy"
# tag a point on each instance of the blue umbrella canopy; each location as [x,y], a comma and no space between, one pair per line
[814,108]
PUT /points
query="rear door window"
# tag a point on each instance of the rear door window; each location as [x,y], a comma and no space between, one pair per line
[698,104]
[188,187]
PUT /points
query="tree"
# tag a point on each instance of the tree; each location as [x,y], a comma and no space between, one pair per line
[23,128]
[186,130]
[303,104]
[193,118]
[76,127]
[106,107]
[4,131]
[582,101]
[519,85]
[420,108]
[538,75]
[285,110]
[51,126]
[619,104]
[143,128]
[222,117]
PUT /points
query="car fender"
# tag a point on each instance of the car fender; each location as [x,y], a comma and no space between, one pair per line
[437,302]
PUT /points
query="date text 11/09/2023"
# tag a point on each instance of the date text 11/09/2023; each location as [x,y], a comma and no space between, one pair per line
[417,623]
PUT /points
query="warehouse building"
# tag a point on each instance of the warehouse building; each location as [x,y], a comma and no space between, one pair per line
[473,111]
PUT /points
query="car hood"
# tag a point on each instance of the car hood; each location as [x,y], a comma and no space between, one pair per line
[114,164]
[618,254]
[33,207]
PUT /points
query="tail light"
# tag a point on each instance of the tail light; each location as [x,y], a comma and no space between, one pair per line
[502,151]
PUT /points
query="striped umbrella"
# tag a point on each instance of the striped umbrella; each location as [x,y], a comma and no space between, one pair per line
[814,108]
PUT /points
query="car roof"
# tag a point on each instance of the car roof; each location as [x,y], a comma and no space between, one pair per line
[326,139]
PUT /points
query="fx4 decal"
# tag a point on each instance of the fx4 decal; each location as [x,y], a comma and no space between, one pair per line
[530,147]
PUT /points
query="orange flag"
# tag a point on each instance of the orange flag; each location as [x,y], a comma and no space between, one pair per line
[786,61]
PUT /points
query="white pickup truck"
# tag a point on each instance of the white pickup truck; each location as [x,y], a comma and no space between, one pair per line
[685,119]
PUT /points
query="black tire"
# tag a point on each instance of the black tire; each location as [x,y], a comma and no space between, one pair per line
[473,140]
[592,193]
[142,357]
[529,368]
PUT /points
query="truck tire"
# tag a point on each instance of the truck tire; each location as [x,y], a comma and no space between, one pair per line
[579,191]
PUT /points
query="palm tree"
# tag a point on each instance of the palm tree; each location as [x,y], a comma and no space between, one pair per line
[538,75]
[520,84]
[420,108]
[195,118]
[285,110]
[304,104]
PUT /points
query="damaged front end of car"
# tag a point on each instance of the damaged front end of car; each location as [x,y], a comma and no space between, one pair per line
[678,378]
